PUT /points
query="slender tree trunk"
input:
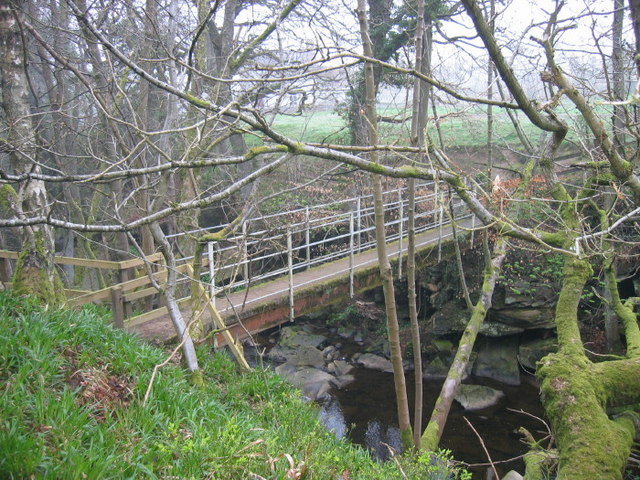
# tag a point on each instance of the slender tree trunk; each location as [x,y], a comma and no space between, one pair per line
[618,74]
[35,271]
[188,349]
[418,124]
[107,142]
[634,6]
[435,427]
[393,329]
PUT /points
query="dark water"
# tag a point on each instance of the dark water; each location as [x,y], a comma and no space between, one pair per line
[365,412]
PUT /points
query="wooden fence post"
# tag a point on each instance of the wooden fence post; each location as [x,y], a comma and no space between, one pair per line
[117,306]
[125,275]
[5,270]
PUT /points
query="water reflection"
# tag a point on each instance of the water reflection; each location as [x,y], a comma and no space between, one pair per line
[332,418]
[365,412]
[379,436]
[379,439]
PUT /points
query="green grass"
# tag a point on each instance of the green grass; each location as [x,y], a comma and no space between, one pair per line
[71,391]
[320,127]
[460,127]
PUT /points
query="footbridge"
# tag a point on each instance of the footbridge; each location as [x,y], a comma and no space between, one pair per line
[276,267]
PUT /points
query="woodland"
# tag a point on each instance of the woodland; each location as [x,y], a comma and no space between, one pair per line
[124,122]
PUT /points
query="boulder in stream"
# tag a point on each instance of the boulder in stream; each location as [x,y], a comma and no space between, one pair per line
[477,397]
[343,380]
[339,367]
[438,366]
[314,383]
[296,336]
[532,351]
[346,331]
[307,356]
[512,475]
[279,354]
[498,359]
[374,362]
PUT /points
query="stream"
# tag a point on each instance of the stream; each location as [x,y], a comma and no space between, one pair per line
[364,411]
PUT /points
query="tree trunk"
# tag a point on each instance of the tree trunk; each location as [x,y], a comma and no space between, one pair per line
[386,274]
[418,124]
[634,5]
[188,349]
[618,74]
[576,393]
[435,427]
[35,270]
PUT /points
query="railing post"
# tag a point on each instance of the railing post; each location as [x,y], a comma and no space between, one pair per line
[307,236]
[5,270]
[212,284]
[125,275]
[351,247]
[117,306]
[245,255]
[359,222]
[290,266]
[400,232]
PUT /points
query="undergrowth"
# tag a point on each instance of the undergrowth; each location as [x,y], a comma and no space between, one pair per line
[71,391]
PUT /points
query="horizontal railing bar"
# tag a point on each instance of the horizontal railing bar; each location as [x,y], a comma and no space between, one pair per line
[303,209]
[332,274]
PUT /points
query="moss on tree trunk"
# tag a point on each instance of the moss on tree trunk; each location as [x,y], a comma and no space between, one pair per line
[577,392]
[35,273]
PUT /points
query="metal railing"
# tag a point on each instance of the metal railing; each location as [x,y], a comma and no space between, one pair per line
[271,246]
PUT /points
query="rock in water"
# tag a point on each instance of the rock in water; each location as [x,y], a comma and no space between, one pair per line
[296,336]
[315,384]
[477,397]
[531,352]
[374,362]
[512,475]
[307,356]
[498,359]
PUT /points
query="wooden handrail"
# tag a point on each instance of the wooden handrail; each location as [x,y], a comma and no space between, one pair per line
[105,293]
[84,262]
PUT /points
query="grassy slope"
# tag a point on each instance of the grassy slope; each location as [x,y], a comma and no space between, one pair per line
[71,407]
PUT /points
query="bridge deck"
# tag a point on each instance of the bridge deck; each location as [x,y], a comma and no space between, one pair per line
[259,298]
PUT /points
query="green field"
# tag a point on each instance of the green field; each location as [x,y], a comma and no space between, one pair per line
[459,128]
